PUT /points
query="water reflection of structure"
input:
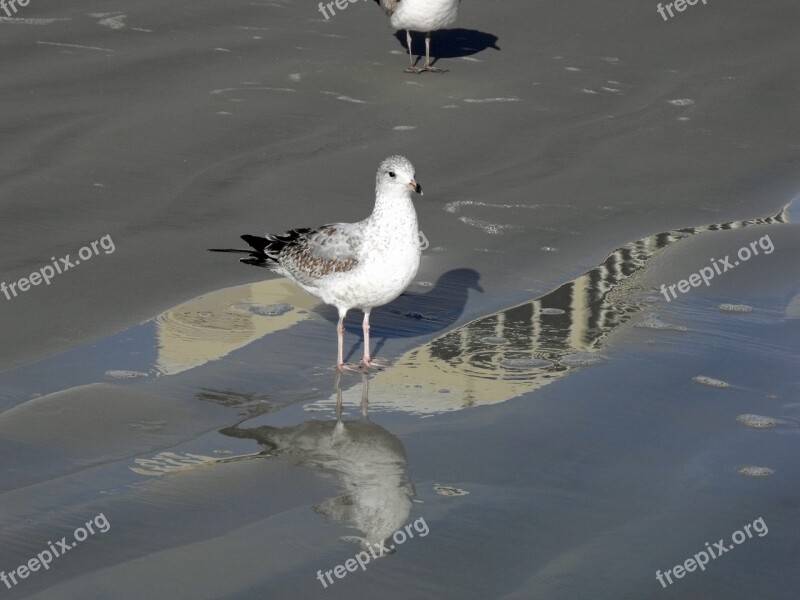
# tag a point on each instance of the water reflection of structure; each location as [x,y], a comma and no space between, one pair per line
[365,460]
[525,347]
[215,324]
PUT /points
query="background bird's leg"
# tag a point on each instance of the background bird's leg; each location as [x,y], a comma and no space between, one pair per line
[411,68]
[428,66]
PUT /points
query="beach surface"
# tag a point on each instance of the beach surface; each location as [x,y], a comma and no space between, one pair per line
[556,421]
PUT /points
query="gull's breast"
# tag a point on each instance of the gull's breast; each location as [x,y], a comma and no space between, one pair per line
[387,266]
[424,15]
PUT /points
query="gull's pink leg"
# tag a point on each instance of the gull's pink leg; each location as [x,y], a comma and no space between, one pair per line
[366,338]
[340,332]
[368,361]
[340,364]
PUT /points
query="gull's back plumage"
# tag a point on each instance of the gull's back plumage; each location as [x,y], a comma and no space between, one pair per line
[305,255]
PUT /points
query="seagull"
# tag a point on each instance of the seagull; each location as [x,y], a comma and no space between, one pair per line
[352,265]
[424,16]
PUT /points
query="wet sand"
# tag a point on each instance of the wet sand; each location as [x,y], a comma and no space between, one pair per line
[599,153]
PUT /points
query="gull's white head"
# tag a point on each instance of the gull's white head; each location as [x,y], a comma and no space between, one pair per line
[395,176]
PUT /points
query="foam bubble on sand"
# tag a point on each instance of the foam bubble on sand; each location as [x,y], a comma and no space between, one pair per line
[736,308]
[758,421]
[753,471]
[345,98]
[710,381]
[112,20]
[581,359]
[490,228]
[455,205]
[495,340]
[525,363]
[124,374]
[449,490]
[552,311]
[653,322]
[681,102]
[270,310]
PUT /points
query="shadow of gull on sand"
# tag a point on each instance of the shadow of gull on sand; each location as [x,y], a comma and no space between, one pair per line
[413,314]
[451,43]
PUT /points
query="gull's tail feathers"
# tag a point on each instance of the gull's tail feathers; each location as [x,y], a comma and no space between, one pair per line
[257,255]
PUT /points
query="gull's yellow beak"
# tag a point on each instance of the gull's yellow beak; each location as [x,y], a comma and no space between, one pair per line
[415,187]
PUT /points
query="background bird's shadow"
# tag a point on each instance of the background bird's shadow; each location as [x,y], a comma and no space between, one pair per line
[449,43]
[412,314]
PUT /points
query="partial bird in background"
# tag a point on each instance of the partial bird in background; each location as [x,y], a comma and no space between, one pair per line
[424,16]
[352,265]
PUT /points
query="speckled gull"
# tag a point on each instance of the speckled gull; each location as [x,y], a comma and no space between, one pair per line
[352,265]
[424,16]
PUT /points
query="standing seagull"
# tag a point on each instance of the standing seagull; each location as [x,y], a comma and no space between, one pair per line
[420,15]
[352,265]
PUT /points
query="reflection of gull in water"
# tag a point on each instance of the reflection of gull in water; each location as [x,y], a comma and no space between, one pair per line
[525,347]
[365,460]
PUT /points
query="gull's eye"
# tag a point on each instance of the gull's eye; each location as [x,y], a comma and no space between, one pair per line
[391,174]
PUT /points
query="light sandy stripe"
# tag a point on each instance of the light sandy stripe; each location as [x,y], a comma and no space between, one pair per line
[75,46]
